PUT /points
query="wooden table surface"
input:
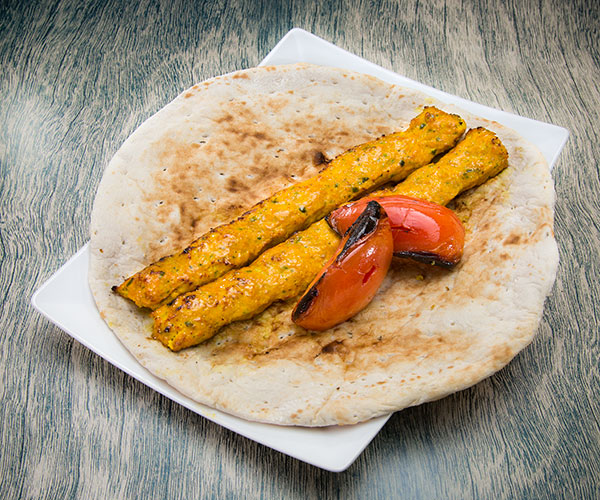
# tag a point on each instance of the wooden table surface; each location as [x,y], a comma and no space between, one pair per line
[76,78]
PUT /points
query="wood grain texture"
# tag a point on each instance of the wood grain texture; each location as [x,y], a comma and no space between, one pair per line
[76,78]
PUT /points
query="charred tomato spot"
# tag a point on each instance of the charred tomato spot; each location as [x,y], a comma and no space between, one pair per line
[426,258]
[361,228]
[305,302]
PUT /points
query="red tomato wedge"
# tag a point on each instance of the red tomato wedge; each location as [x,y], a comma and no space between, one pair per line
[422,230]
[350,280]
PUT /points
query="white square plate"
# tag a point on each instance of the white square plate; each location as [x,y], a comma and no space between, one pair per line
[65,299]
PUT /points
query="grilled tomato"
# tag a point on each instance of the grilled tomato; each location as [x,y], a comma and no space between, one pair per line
[350,280]
[422,230]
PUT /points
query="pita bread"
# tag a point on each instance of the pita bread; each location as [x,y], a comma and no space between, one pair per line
[229,142]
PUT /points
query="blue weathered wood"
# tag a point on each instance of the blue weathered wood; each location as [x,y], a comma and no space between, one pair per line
[76,78]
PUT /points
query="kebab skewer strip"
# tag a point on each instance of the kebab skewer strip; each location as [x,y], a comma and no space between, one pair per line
[356,171]
[286,270]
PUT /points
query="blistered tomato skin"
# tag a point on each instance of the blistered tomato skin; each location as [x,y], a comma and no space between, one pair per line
[350,280]
[422,230]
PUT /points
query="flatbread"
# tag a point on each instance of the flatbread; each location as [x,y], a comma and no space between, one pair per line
[229,142]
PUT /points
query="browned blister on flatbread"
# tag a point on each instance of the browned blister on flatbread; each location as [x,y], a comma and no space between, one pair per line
[427,333]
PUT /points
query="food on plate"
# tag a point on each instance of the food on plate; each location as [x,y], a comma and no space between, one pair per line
[421,230]
[285,270]
[437,237]
[232,141]
[479,156]
[356,171]
[280,273]
[351,278]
